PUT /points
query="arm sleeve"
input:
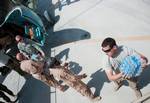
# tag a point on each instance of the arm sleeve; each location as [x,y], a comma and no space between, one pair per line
[130,51]
[38,48]
[106,65]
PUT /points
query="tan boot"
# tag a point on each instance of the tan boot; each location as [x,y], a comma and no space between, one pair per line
[96,98]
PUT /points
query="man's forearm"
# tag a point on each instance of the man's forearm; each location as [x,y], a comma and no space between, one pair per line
[115,77]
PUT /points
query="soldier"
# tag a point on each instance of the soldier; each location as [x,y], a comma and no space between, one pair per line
[35,68]
[74,81]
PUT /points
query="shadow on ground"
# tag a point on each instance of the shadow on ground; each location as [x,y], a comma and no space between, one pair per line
[63,54]
[61,3]
[34,91]
[74,67]
[66,36]
[97,81]
[61,37]
[2,78]
[145,77]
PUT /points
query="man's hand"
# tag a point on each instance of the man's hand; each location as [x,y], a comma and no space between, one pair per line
[81,76]
[144,63]
[84,75]
[126,76]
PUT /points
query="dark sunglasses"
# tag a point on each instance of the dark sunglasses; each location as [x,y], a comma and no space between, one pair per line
[106,51]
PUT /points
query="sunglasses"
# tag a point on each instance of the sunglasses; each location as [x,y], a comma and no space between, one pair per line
[106,51]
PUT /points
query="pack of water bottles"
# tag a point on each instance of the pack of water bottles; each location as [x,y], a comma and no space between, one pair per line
[131,66]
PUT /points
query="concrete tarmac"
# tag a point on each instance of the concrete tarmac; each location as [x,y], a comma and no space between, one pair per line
[80,27]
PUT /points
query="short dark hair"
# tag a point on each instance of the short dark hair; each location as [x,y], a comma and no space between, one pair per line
[108,41]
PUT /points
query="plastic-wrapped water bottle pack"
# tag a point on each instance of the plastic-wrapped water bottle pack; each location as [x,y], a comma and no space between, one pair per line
[131,66]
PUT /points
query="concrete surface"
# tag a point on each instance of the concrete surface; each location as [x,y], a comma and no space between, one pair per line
[76,37]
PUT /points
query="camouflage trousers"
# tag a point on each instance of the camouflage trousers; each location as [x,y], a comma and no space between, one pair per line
[72,80]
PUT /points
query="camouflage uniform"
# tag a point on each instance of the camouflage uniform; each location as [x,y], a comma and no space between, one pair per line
[37,71]
[74,81]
